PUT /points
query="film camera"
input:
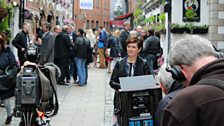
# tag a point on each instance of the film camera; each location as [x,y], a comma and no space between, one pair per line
[36,95]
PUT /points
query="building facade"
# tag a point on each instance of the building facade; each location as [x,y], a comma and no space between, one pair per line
[92,18]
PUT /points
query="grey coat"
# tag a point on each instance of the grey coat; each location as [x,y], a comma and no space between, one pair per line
[47,48]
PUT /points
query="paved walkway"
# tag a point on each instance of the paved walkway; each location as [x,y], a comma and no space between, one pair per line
[84,106]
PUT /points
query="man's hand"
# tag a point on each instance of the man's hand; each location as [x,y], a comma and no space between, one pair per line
[23,49]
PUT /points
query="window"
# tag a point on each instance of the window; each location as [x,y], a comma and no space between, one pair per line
[87,24]
[92,24]
[97,24]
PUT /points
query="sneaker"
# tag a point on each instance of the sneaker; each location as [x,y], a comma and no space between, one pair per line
[8,120]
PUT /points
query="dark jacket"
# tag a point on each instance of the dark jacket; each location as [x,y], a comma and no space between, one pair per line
[198,105]
[62,45]
[20,41]
[113,44]
[123,37]
[82,46]
[7,58]
[151,45]
[47,48]
[121,70]
[174,89]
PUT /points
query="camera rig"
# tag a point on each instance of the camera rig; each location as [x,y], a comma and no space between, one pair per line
[36,94]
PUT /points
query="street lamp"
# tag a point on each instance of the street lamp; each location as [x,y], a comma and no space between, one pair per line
[21,13]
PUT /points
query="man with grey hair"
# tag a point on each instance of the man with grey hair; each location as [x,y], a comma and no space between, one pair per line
[62,50]
[170,87]
[194,61]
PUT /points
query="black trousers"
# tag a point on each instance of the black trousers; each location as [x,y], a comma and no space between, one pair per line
[62,64]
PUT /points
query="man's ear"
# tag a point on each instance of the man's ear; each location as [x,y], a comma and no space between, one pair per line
[183,71]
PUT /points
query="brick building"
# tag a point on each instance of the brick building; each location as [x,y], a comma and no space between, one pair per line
[98,16]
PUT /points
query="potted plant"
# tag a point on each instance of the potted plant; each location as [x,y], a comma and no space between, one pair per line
[177,29]
[200,29]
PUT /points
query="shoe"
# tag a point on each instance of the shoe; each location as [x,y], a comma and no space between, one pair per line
[8,120]
[76,82]
[67,81]
[62,83]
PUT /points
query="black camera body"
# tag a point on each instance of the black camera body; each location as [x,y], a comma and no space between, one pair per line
[27,91]
[36,92]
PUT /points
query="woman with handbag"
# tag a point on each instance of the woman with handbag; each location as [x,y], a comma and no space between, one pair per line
[7,59]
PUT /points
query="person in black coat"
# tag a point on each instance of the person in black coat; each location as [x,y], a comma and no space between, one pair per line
[21,42]
[7,59]
[131,65]
[151,47]
[123,37]
[61,55]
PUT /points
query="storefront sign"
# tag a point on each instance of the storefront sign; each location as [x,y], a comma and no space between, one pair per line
[86,4]
[191,10]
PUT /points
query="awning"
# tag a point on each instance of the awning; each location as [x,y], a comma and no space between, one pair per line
[125,16]
[117,23]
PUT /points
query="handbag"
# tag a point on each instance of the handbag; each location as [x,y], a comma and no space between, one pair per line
[8,78]
[100,44]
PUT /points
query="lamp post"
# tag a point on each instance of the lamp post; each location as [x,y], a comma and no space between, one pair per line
[21,13]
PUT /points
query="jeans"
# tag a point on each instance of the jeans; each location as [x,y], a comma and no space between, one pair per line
[150,58]
[8,108]
[81,70]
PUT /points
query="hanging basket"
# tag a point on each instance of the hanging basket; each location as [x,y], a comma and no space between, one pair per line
[3,13]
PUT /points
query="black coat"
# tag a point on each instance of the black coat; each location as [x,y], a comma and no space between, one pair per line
[7,58]
[151,45]
[113,44]
[82,46]
[62,45]
[123,37]
[121,70]
[20,41]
